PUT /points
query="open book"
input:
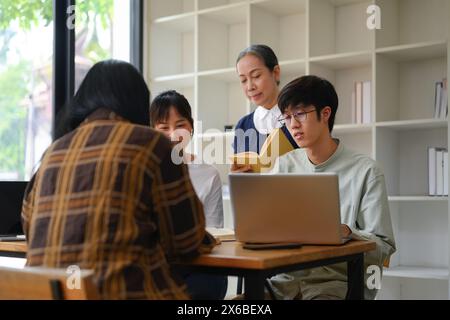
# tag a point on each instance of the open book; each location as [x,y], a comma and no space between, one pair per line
[275,146]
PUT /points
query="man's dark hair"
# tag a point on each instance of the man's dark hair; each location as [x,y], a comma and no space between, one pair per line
[160,107]
[263,52]
[111,84]
[310,91]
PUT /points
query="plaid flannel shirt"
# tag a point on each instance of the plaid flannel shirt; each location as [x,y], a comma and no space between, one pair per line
[107,197]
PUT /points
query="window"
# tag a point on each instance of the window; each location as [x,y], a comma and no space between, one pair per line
[25,85]
[102,31]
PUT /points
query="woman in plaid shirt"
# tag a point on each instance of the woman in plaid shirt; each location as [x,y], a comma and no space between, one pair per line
[107,196]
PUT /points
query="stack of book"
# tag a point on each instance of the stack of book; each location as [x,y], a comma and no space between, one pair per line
[437,172]
[361,102]
[441,99]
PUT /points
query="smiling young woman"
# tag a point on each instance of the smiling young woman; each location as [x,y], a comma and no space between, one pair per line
[171,114]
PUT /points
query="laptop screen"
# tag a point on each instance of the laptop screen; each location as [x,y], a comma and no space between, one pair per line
[11,197]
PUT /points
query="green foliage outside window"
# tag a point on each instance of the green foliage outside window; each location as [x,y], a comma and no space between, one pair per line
[15,88]
[13,118]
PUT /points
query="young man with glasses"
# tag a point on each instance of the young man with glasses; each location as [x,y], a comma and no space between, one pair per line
[308,106]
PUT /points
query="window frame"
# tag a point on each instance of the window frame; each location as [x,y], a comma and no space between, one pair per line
[64,52]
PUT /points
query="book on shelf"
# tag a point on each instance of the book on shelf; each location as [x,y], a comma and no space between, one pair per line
[358,102]
[444,100]
[441,99]
[366,106]
[362,102]
[445,164]
[354,116]
[437,99]
[437,172]
[276,145]
[432,171]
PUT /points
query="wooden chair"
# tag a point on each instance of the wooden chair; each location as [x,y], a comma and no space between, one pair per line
[32,283]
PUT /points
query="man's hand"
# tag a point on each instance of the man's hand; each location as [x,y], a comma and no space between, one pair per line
[345,230]
[239,168]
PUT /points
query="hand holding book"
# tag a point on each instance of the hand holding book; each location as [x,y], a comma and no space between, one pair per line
[240,168]
[276,145]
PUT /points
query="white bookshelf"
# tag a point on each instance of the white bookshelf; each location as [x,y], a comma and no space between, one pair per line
[416,273]
[273,23]
[418,199]
[352,128]
[211,4]
[163,8]
[192,46]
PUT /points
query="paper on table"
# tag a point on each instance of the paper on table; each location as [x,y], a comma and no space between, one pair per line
[222,234]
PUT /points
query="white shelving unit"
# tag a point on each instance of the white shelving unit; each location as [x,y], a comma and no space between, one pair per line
[192,46]
[417,273]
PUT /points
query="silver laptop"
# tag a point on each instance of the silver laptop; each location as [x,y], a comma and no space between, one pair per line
[286,208]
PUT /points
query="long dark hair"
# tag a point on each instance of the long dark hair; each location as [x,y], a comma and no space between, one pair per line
[111,84]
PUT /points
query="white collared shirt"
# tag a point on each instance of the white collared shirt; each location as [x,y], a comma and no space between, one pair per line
[266,120]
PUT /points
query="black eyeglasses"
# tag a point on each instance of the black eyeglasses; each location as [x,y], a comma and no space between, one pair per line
[299,116]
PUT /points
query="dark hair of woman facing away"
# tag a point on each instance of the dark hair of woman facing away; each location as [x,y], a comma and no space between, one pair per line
[111,84]
[161,104]
[263,52]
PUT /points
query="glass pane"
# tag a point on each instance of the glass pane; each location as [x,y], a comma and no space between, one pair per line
[102,31]
[25,85]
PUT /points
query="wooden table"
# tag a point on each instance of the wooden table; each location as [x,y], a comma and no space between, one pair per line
[229,258]
[16,249]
